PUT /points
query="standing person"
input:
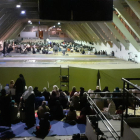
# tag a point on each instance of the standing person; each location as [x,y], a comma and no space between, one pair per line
[73,91]
[29,99]
[5,107]
[20,87]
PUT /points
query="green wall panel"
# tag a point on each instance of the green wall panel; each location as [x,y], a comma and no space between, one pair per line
[33,76]
[112,78]
[82,77]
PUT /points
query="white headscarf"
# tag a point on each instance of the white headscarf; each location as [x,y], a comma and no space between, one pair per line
[44,89]
[27,93]
[76,94]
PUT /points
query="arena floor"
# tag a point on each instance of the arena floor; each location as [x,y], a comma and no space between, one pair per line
[71,59]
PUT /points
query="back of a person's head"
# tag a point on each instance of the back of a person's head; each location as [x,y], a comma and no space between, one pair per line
[97,87]
[12,82]
[106,88]
[21,76]
[46,115]
[44,103]
[72,108]
[62,94]
[44,89]
[55,88]
[74,88]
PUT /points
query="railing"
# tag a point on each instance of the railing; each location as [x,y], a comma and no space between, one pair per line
[103,118]
[127,95]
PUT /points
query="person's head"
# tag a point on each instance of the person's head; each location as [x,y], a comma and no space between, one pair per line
[72,108]
[44,89]
[55,88]
[76,94]
[30,88]
[21,76]
[13,102]
[12,82]
[106,88]
[73,88]
[117,89]
[3,92]
[44,103]
[97,87]
[7,85]
[36,89]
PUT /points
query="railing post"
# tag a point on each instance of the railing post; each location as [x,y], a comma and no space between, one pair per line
[123,108]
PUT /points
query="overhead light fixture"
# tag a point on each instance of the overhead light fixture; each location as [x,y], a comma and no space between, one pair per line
[58,23]
[22,12]
[29,21]
[54,26]
[18,6]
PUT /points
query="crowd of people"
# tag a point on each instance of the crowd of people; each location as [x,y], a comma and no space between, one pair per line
[48,48]
[21,105]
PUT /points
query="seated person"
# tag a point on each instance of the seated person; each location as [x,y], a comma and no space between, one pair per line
[63,100]
[111,108]
[75,101]
[42,109]
[46,94]
[7,88]
[71,114]
[57,111]
[37,92]
[99,102]
[44,126]
[85,111]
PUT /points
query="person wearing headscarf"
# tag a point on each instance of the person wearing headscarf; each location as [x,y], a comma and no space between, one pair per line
[73,91]
[83,100]
[91,95]
[46,94]
[97,89]
[44,126]
[42,109]
[5,108]
[56,89]
[111,107]
[11,85]
[63,100]
[53,99]
[7,88]
[71,114]
[99,102]
[20,87]
[57,111]
[29,99]
[75,101]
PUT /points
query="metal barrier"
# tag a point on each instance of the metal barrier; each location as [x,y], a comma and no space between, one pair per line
[126,97]
[103,118]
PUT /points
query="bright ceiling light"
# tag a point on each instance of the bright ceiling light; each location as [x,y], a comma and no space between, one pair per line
[22,12]
[53,26]
[40,30]
[29,21]
[58,23]
[18,6]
